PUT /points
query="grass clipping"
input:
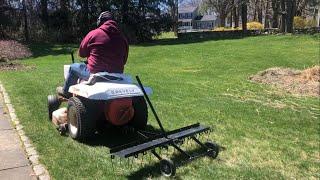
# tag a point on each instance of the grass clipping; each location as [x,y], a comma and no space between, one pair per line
[305,82]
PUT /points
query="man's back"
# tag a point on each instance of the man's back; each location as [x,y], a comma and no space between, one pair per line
[106,49]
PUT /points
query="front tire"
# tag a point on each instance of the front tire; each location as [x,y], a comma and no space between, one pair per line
[53,104]
[81,118]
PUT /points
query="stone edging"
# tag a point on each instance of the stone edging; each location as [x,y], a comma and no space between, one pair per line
[40,171]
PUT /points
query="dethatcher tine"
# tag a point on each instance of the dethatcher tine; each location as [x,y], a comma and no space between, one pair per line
[113,99]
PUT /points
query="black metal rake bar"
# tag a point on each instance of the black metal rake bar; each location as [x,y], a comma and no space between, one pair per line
[138,147]
[151,106]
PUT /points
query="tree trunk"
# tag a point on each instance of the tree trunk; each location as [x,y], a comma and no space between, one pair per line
[266,15]
[229,20]
[236,17]
[44,12]
[255,10]
[124,11]
[26,32]
[173,4]
[275,13]
[244,13]
[291,10]
[222,20]
[283,16]
[176,13]
[259,11]
[318,17]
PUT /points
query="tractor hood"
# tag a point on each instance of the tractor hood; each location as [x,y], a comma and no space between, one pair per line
[108,90]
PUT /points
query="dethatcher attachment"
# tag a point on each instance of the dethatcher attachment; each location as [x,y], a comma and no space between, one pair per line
[151,140]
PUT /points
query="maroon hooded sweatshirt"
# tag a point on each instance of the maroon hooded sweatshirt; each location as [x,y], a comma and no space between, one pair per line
[106,49]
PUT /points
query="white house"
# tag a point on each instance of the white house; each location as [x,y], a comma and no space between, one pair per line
[190,19]
[186,17]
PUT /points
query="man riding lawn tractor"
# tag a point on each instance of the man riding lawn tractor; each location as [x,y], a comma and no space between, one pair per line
[98,93]
[104,92]
[106,50]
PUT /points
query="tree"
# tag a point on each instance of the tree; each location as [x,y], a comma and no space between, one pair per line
[173,5]
[26,27]
[267,14]
[235,13]
[244,13]
[222,7]
[259,10]
[44,12]
[283,16]
[291,11]
[275,4]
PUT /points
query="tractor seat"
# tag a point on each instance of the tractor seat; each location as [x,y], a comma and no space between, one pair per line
[104,77]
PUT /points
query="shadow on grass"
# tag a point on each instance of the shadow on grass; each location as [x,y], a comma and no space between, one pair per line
[44,49]
[112,137]
[115,136]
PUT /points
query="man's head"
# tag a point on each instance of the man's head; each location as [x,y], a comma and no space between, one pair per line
[104,16]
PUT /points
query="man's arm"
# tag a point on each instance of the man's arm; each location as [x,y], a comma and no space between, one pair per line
[127,52]
[83,49]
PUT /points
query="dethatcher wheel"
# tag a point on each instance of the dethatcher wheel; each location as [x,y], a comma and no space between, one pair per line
[214,149]
[53,104]
[81,118]
[167,167]
[140,117]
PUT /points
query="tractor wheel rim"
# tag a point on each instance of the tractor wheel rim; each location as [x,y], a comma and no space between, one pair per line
[73,121]
[166,169]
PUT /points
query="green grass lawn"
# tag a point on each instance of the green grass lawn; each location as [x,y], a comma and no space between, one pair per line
[268,134]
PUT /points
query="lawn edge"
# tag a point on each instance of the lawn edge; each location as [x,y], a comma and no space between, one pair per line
[39,169]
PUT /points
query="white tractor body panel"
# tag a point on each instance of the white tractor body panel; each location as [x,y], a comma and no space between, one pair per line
[106,90]
[66,71]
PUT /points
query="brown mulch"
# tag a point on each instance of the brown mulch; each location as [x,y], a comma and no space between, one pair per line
[301,82]
[11,50]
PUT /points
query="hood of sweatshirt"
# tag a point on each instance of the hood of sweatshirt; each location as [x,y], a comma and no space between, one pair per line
[110,26]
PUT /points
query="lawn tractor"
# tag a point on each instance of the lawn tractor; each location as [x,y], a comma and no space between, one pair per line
[114,100]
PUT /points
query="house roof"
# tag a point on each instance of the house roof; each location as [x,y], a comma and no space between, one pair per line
[187,9]
[208,18]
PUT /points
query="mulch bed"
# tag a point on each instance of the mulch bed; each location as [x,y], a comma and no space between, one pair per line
[300,82]
[12,50]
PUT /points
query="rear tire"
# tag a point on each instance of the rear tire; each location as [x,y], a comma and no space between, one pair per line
[53,104]
[81,118]
[140,117]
